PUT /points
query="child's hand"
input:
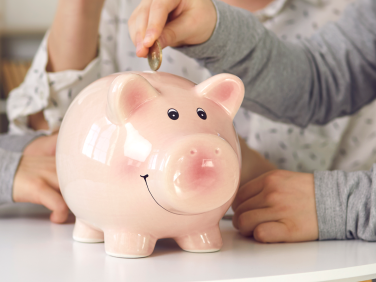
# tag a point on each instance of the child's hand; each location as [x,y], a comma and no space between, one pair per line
[174,22]
[278,206]
[36,182]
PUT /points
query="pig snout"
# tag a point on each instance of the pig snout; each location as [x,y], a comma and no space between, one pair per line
[198,171]
[201,174]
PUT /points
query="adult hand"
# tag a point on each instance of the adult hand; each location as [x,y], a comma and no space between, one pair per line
[173,22]
[278,206]
[36,179]
[42,146]
[36,182]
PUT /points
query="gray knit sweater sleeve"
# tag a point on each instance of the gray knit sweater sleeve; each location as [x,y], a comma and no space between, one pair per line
[313,81]
[346,204]
[8,167]
[11,147]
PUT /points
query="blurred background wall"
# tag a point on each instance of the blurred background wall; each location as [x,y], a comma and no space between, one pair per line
[22,27]
[31,16]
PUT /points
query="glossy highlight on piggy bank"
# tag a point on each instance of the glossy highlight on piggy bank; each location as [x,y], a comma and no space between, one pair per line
[144,155]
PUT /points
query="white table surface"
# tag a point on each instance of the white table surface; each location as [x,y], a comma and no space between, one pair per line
[33,249]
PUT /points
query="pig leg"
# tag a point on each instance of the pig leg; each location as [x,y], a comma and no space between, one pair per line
[204,241]
[123,244]
[86,234]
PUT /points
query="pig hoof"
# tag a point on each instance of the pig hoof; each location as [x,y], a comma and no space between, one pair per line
[206,241]
[86,234]
[128,245]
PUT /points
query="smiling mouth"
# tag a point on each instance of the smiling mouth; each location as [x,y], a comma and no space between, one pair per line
[147,186]
[146,176]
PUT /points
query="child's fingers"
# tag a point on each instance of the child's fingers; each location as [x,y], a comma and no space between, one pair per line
[141,25]
[138,21]
[248,221]
[175,32]
[173,22]
[53,200]
[272,232]
[189,25]
[141,50]
[159,11]
[247,191]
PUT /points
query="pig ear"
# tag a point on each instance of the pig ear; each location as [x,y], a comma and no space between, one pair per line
[127,92]
[224,89]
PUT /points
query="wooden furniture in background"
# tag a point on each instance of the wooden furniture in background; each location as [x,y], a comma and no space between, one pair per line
[12,74]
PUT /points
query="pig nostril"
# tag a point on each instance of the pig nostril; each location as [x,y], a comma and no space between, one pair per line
[193,151]
[217,151]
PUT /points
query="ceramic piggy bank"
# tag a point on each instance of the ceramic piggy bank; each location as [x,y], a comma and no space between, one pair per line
[143,156]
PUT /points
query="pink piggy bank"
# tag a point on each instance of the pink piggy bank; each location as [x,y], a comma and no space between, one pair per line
[143,156]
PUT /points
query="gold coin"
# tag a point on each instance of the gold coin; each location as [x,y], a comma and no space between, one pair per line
[155,56]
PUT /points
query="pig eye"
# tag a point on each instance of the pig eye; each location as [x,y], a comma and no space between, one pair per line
[201,113]
[173,114]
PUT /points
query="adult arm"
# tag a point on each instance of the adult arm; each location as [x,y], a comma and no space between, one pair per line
[329,75]
[332,74]
[313,81]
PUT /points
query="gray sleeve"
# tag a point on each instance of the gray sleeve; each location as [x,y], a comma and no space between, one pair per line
[11,147]
[8,166]
[315,80]
[346,204]
[17,143]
